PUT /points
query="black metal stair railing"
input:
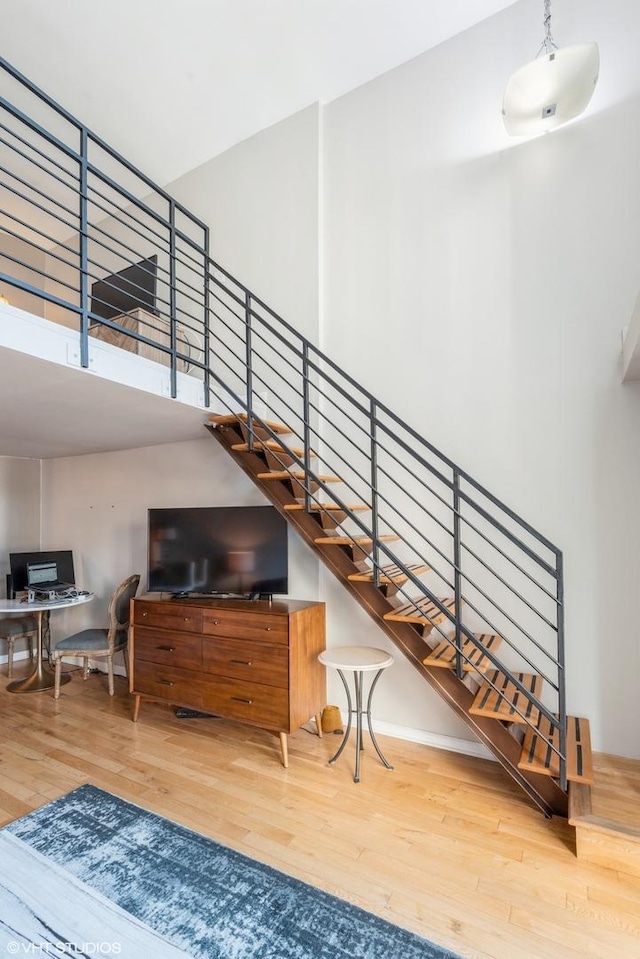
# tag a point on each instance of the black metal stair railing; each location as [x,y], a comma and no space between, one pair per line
[75,217]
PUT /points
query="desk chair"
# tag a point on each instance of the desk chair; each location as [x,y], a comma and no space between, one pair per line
[18,627]
[99,642]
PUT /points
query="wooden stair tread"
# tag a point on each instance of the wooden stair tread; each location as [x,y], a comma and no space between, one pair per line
[328,507]
[538,757]
[444,654]
[501,703]
[297,475]
[426,611]
[272,445]
[347,540]
[224,419]
[390,573]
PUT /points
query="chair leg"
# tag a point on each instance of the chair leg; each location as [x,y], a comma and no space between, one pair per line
[9,657]
[85,667]
[58,674]
[110,673]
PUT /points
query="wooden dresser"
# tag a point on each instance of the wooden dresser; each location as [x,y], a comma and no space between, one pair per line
[252,661]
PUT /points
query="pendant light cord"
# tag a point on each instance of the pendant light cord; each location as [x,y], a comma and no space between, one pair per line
[548,44]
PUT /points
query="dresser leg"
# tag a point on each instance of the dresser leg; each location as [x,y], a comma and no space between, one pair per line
[319,724]
[136,708]
[284,749]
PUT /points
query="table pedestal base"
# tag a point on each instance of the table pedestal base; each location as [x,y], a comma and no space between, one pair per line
[359,713]
[43,678]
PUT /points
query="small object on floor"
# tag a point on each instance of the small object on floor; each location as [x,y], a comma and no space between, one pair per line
[183,713]
[332,720]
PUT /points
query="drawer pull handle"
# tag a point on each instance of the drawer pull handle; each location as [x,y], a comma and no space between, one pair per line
[165,682]
[216,622]
[238,699]
[267,629]
[187,619]
[242,662]
[166,649]
[144,615]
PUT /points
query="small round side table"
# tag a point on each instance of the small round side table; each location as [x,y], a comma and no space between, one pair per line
[358,660]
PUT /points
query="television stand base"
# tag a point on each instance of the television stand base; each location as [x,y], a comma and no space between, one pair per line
[183,713]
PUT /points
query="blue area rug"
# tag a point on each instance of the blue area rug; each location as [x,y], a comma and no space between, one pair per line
[193,895]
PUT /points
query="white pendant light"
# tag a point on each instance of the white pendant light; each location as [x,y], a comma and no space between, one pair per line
[553,88]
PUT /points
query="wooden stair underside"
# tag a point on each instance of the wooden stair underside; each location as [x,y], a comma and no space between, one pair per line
[273,447]
[543,791]
[507,702]
[475,657]
[327,507]
[538,756]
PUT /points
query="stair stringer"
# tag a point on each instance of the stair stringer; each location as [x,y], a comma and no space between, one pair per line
[545,792]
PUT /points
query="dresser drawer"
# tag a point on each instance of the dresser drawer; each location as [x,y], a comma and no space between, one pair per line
[241,659]
[170,649]
[187,619]
[168,682]
[266,706]
[268,627]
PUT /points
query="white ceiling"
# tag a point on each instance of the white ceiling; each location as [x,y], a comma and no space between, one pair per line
[170,85]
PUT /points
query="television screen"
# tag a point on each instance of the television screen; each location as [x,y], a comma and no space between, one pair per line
[56,563]
[233,550]
[133,287]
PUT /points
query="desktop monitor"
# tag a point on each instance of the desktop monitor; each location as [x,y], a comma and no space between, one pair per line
[30,569]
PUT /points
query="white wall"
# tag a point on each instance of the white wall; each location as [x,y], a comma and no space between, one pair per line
[260,199]
[97,506]
[493,279]
[479,287]
[19,509]
[19,514]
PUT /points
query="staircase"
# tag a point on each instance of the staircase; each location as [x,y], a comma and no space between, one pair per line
[505,708]
[469,591]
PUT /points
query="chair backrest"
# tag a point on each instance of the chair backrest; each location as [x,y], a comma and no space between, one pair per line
[119,610]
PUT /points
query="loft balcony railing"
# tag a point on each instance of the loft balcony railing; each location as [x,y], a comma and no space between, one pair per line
[89,241]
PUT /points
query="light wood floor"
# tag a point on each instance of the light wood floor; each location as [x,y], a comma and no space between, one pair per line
[444,845]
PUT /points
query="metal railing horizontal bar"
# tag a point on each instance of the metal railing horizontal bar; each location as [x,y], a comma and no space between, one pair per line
[34,189]
[510,587]
[501,633]
[37,291]
[32,243]
[37,270]
[95,139]
[45,156]
[40,166]
[505,532]
[73,228]
[382,407]
[55,141]
[150,236]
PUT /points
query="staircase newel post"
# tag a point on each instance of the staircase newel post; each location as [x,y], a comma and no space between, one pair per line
[306,426]
[457,574]
[84,252]
[562,705]
[375,556]
[249,368]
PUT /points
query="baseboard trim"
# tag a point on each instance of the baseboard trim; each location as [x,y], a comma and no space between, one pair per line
[425,738]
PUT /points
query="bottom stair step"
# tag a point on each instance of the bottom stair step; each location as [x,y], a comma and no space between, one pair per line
[444,654]
[538,757]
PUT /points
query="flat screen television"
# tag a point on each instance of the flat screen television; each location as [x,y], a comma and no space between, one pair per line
[58,563]
[222,550]
[127,290]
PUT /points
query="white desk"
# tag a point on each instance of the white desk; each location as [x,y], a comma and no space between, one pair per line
[42,677]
